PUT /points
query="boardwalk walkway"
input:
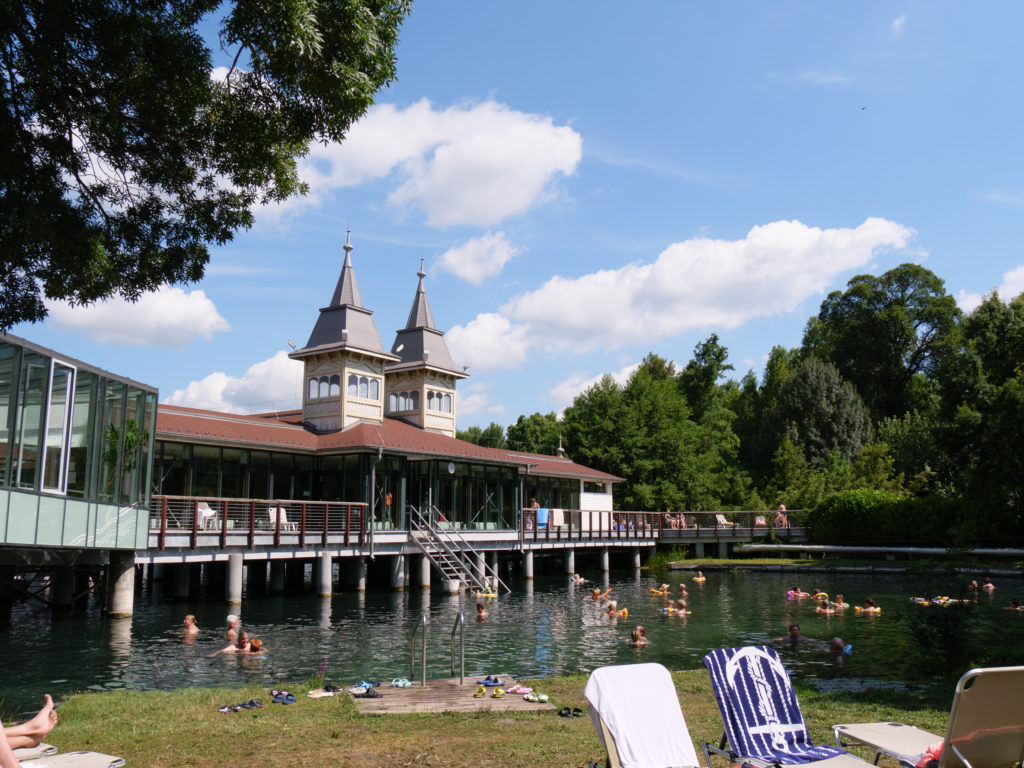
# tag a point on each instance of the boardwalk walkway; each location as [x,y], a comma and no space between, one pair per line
[445,695]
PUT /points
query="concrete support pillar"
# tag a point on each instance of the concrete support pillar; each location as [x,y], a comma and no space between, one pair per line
[698,549]
[604,560]
[636,557]
[480,565]
[452,586]
[233,591]
[528,564]
[181,581]
[62,589]
[326,574]
[359,569]
[723,550]
[121,583]
[277,576]
[570,561]
[256,577]
[398,573]
[424,572]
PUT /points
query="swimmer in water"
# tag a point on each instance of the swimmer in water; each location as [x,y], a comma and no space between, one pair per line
[700,576]
[240,646]
[639,637]
[190,625]
[481,612]
[793,638]
[597,595]
[824,607]
[870,607]
[680,609]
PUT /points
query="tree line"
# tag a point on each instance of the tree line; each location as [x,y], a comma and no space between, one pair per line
[893,390]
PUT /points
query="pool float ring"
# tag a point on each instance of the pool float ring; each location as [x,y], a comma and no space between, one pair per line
[658,591]
[791,594]
[485,594]
[840,605]
[624,613]
[820,596]
[868,611]
[700,578]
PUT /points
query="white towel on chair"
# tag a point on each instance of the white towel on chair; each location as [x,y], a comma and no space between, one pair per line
[556,517]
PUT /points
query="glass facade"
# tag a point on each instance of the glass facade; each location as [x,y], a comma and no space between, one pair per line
[552,492]
[471,496]
[69,431]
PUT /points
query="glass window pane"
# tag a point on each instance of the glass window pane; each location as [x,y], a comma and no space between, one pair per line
[313,388]
[83,417]
[54,453]
[205,470]
[374,389]
[353,384]
[362,386]
[113,422]
[7,389]
[35,370]
[259,474]
[335,390]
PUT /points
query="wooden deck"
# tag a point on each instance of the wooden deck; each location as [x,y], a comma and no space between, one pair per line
[445,695]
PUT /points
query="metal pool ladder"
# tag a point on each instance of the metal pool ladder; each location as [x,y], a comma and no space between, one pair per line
[460,624]
[423,650]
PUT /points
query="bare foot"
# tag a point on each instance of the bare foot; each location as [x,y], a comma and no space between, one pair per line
[43,722]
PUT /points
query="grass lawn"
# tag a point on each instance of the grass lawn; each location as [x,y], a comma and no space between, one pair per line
[184,728]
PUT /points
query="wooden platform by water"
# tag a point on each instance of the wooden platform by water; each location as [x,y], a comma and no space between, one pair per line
[445,695]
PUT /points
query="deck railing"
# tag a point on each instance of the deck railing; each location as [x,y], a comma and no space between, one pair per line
[575,524]
[297,522]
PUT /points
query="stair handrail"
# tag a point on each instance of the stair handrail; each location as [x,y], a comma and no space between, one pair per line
[421,524]
[454,534]
[460,624]
[422,623]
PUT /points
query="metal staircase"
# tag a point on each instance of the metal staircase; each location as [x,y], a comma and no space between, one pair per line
[447,549]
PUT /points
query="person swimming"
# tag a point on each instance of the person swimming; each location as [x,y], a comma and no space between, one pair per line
[481,612]
[869,607]
[597,595]
[613,610]
[700,576]
[797,593]
[639,637]
[190,625]
[824,607]
[240,646]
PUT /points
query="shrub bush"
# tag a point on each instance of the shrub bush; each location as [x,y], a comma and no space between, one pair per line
[870,516]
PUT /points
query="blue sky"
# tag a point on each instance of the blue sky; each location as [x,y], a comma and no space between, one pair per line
[588,183]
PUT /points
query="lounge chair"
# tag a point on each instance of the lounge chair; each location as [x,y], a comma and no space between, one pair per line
[721,522]
[207,516]
[760,522]
[636,714]
[763,724]
[31,753]
[985,730]
[71,760]
[278,512]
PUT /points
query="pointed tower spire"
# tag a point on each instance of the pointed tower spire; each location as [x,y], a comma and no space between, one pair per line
[420,315]
[343,360]
[345,322]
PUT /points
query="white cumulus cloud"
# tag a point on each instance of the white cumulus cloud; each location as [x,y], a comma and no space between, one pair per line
[272,384]
[698,283]
[899,24]
[475,164]
[565,391]
[1011,287]
[170,317]
[490,342]
[479,258]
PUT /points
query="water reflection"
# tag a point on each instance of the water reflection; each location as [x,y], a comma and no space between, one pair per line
[545,626]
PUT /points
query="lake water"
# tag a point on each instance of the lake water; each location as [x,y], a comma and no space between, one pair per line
[542,628]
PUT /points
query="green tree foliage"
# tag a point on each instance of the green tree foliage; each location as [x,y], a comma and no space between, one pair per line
[886,335]
[699,379]
[821,412]
[493,436]
[983,407]
[536,433]
[124,158]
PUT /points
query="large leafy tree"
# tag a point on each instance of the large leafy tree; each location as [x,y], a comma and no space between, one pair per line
[124,158]
[536,433]
[886,335]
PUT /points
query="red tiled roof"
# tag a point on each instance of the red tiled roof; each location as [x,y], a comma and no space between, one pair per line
[285,430]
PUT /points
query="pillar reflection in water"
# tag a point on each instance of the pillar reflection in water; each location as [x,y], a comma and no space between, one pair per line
[120,645]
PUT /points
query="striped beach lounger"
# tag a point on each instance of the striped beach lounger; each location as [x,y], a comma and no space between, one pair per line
[763,724]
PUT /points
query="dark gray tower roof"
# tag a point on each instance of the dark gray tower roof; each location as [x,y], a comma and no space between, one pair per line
[420,344]
[345,324]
